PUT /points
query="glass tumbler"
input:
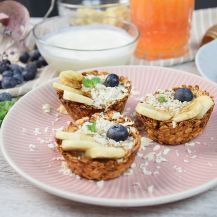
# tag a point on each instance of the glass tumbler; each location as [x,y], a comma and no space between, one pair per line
[164,26]
[96,9]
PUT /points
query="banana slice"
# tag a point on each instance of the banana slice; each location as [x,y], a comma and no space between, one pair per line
[206,103]
[149,111]
[188,112]
[71,83]
[79,145]
[105,152]
[77,98]
[64,87]
[72,136]
[71,75]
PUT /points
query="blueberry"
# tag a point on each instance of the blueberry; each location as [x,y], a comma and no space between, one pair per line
[7,73]
[34,55]
[112,80]
[18,78]
[117,133]
[16,67]
[5,97]
[183,94]
[30,71]
[17,73]
[41,62]
[4,65]
[6,61]
[8,82]
[24,57]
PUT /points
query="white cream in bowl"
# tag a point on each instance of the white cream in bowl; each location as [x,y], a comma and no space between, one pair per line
[87,46]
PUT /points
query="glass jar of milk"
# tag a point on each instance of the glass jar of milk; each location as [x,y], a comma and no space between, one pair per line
[69,43]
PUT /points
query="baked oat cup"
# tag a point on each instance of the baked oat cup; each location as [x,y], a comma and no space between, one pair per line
[86,93]
[97,147]
[167,120]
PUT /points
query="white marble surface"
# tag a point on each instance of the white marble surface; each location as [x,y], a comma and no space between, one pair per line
[18,198]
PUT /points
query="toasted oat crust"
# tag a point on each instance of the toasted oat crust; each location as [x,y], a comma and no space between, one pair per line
[99,169]
[163,131]
[79,110]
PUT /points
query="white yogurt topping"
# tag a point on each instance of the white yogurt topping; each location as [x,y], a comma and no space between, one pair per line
[171,104]
[104,96]
[102,127]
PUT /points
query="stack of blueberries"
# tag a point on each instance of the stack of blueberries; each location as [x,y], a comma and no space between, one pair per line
[12,75]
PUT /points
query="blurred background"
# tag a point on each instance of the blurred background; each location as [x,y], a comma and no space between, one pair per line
[38,8]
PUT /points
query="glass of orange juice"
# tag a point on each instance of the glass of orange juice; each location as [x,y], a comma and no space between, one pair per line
[164,26]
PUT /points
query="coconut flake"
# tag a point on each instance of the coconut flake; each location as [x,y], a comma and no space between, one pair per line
[129,172]
[146,172]
[52,146]
[64,169]
[32,147]
[156,148]
[150,189]
[190,144]
[166,151]
[136,184]
[100,184]
[160,159]
[145,141]
[178,169]
[58,158]
[193,156]
[116,115]
[46,129]
[150,156]
[156,172]
[46,108]
[140,154]
[36,131]
[174,124]
[133,165]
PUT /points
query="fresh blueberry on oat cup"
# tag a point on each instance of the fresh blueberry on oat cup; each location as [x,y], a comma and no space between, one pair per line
[117,133]
[85,93]
[93,154]
[177,115]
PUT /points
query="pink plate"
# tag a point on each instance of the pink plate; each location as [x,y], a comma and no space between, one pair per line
[160,174]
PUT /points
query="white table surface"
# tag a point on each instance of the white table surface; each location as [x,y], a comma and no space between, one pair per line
[18,198]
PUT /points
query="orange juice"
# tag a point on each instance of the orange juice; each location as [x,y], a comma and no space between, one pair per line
[164,26]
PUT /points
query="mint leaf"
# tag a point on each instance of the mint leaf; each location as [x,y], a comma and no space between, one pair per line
[96,81]
[91,82]
[5,106]
[161,99]
[87,82]
[92,127]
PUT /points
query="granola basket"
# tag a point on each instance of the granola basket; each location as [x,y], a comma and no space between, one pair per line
[100,169]
[79,110]
[164,132]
